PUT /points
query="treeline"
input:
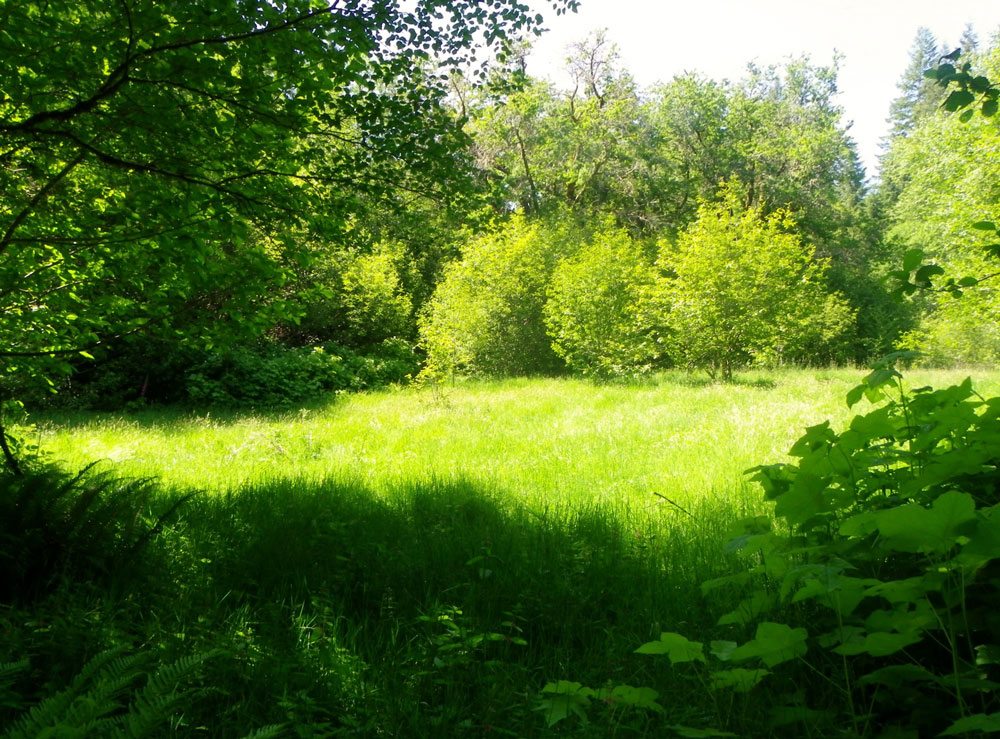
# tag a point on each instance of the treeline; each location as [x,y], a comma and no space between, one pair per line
[605,230]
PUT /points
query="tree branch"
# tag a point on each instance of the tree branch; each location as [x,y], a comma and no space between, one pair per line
[39,196]
[119,75]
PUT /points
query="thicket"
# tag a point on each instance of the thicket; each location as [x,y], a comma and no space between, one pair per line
[600,308]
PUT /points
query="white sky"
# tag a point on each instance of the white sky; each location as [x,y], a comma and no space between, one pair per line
[658,39]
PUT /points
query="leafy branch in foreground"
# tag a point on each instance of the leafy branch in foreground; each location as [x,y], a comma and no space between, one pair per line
[971,90]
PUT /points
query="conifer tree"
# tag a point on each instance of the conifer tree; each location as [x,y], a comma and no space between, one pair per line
[918,96]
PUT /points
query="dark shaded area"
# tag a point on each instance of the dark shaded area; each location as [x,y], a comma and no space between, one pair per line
[441,612]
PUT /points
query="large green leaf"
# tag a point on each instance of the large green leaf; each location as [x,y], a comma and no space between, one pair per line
[773,644]
[677,647]
[980,723]
[738,679]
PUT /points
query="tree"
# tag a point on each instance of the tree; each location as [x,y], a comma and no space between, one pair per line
[599,312]
[588,149]
[968,43]
[152,155]
[486,316]
[918,96]
[744,289]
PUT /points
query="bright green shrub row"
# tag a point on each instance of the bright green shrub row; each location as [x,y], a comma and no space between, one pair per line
[737,288]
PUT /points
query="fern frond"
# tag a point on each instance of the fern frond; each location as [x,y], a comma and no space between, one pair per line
[10,671]
[153,706]
[270,731]
[94,693]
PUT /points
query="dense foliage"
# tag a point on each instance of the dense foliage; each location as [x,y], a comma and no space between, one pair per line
[486,315]
[600,311]
[743,289]
[169,169]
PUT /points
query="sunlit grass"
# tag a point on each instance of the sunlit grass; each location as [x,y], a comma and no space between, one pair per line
[546,441]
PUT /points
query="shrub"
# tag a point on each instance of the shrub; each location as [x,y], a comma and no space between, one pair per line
[746,290]
[485,318]
[275,376]
[598,312]
[376,305]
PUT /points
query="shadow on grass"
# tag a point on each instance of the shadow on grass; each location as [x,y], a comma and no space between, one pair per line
[443,609]
[688,379]
[159,416]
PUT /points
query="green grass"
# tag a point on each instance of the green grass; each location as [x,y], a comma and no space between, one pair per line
[421,562]
[545,442]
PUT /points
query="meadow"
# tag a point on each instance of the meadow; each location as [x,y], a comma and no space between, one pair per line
[540,441]
[417,562]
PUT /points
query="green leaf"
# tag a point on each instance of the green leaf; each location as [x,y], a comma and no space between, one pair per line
[738,679]
[984,226]
[630,696]
[958,99]
[679,648]
[909,590]
[913,528]
[855,395]
[912,259]
[926,273]
[773,644]
[986,723]
[984,541]
[564,698]
[879,644]
[785,715]
[722,649]
[990,107]
[897,675]
[966,115]
[803,500]
[750,609]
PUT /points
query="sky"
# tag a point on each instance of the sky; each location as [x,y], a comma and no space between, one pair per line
[658,39]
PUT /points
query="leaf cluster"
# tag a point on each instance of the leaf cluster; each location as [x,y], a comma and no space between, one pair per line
[882,561]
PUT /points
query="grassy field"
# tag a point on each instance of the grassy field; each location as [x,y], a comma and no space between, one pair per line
[416,563]
[543,442]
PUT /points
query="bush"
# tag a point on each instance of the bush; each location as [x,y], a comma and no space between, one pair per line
[275,376]
[598,312]
[745,290]
[485,318]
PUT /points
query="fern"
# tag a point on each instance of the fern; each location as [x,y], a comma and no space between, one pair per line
[10,671]
[102,700]
[271,731]
[108,674]
[159,699]
[9,674]
[55,526]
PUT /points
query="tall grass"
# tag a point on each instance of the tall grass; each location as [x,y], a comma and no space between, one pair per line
[420,563]
[543,441]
